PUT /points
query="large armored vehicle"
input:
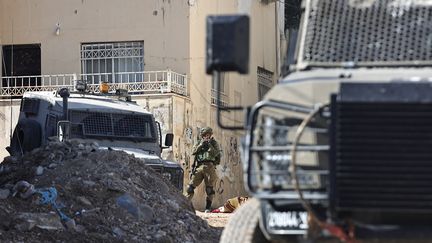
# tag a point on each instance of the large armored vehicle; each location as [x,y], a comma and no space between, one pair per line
[340,149]
[112,121]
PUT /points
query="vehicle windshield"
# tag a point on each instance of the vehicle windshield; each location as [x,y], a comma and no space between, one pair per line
[119,126]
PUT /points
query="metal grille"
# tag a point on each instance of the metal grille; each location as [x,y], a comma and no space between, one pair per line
[110,62]
[367,32]
[270,153]
[114,125]
[223,91]
[176,176]
[265,81]
[382,149]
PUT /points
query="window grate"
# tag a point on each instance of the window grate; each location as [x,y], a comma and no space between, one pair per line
[367,32]
[114,125]
[265,81]
[107,62]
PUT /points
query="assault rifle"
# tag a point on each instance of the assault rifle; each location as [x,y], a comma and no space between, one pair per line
[194,167]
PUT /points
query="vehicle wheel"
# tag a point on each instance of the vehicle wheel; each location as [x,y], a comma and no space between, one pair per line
[26,137]
[243,225]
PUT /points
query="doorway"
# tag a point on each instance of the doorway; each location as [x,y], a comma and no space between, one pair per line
[21,60]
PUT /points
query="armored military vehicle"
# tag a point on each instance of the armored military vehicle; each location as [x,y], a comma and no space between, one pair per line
[112,121]
[339,150]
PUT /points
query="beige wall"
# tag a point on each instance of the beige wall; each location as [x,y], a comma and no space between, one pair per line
[241,88]
[173,32]
[161,24]
[9,112]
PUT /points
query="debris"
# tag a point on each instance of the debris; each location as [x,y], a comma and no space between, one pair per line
[118,232]
[107,196]
[127,202]
[52,165]
[39,170]
[24,189]
[70,224]
[4,193]
[45,221]
[231,205]
[84,211]
[84,200]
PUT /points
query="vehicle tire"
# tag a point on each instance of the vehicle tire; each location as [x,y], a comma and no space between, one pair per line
[26,137]
[243,225]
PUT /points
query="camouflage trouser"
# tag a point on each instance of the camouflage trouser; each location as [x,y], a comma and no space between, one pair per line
[207,172]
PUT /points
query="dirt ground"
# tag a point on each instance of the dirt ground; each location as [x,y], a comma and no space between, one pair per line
[100,196]
[217,220]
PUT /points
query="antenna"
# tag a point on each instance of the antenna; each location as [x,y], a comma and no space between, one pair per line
[10,98]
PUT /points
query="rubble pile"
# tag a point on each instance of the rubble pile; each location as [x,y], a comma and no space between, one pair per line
[75,191]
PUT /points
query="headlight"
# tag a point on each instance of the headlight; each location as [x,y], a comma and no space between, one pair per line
[271,159]
[275,173]
[167,175]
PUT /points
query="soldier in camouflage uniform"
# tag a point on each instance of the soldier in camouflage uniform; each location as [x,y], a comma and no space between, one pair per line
[207,156]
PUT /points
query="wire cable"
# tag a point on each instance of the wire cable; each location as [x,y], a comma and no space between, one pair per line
[293,165]
[333,229]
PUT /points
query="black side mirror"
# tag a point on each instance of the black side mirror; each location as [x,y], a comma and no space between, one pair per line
[169,138]
[227,43]
[227,50]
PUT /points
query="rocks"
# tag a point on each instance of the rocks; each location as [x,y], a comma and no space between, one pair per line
[45,221]
[4,169]
[84,201]
[4,193]
[89,183]
[52,165]
[117,232]
[39,170]
[108,196]
[24,189]
[173,205]
[71,225]
[10,159]
[94,146]
[25,225]
[129,204]
[147,214]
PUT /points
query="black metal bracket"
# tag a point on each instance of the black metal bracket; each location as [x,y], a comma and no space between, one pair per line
[220,108]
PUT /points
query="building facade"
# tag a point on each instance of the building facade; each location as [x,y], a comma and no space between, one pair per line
[155,49]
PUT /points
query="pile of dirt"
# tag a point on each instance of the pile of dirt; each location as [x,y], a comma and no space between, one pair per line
[102,195]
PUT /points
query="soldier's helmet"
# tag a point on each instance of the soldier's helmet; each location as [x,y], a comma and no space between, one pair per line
[206,130]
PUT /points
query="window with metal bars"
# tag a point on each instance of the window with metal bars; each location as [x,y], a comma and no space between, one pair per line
[114,125]
[265,81]
[115,62]
[223,91]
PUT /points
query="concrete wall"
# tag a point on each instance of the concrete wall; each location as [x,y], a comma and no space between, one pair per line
[173,32]
[241,90]
[162,25]
[9,112]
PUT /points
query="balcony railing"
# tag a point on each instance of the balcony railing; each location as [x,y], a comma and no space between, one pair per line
[147,82]
[223,98]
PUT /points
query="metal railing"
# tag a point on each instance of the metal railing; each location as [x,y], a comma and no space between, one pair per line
[146,82]
[223,97]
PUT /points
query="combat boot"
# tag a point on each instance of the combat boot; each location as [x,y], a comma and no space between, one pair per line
[208,206]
